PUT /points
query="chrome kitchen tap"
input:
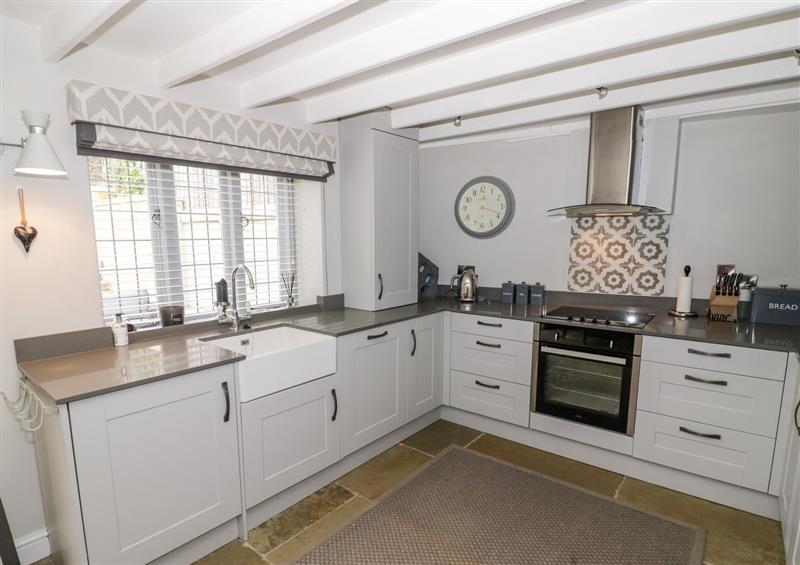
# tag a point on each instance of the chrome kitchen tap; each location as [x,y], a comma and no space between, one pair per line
[233,313]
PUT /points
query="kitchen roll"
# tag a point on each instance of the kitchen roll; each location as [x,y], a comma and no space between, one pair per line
[684,301]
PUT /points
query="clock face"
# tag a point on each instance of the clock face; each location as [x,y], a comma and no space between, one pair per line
[484,207]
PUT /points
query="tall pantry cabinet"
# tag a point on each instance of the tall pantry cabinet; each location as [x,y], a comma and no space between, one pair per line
[380,184]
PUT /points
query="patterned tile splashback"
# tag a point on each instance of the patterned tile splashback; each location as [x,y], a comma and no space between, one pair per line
[619,255]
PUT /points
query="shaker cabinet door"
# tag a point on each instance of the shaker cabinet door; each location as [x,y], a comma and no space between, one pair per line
[425,366]
[288,436]
[395,161]
[377,387]
[157,465]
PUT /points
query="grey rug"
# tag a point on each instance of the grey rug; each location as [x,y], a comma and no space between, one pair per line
[464,507]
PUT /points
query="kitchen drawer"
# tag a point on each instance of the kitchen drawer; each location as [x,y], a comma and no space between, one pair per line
[493,327]
[503,359]
[714,357]
[389,332]
[735,457]
[730,401]
[496,399]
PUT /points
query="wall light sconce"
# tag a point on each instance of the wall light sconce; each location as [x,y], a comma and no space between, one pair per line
[38,157]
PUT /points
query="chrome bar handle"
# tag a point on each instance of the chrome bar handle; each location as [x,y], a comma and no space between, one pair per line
[709,354]
[227,415]
[705,381]
[699,434]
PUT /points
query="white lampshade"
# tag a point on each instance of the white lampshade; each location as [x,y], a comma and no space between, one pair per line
[38,157]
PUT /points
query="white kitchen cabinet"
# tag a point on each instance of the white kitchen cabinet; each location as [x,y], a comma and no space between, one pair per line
[288,436]
[379,168]
[493,327]
[157,465]
[425,366]
[375,364]
[789,494]
[738,402]
[501,400]
[749,361]
[503,359]
[718,453]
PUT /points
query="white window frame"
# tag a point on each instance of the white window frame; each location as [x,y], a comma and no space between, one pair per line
[162,201]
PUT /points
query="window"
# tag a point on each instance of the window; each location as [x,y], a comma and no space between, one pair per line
[166,233]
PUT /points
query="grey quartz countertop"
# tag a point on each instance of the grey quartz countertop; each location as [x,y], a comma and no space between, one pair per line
[72,377]
[89,373]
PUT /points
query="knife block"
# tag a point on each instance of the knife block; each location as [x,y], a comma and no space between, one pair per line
[722,308]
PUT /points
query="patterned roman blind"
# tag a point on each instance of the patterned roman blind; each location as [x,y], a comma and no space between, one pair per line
[117,123]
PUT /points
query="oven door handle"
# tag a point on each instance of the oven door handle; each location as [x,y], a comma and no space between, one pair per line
[581,355]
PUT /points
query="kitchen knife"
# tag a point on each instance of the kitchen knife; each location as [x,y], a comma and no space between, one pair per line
[738,284]
[719,284]
[724,284]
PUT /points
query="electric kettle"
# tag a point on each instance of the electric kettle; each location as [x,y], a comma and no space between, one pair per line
[467,282]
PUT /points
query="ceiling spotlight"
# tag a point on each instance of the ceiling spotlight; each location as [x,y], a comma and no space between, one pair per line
[602,92]
[457,122]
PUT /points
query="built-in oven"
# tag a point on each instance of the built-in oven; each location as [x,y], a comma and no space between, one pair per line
[587,375]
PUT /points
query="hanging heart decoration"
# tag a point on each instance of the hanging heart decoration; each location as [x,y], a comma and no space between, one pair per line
[25,233]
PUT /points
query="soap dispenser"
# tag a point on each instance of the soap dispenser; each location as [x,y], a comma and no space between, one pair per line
[119,329]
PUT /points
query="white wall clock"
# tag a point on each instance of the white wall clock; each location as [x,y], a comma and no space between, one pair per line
[484,207]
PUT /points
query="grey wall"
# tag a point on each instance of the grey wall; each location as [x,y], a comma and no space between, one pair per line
[737,200]
[533,247]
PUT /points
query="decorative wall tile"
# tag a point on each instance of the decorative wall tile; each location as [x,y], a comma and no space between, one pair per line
[619,255]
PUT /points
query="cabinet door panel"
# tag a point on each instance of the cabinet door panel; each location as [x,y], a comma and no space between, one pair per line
[289,436]
[503,359]
[496,399]
[425,366]
[726,455]
[730,401]
[395,164]
[716,357]
[157,465]
[377,403]
[789,491]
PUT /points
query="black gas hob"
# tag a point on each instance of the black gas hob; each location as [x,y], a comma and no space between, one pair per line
[619,318]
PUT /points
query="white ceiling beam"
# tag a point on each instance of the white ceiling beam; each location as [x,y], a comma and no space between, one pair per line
[784,68]
[71,23]
[538,131]
[261,25]
[748,43]
[442,24]
[631,25]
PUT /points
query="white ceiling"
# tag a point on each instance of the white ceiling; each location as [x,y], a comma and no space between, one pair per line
[498,63]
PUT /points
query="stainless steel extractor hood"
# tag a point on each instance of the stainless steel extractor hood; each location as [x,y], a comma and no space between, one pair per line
[615,144]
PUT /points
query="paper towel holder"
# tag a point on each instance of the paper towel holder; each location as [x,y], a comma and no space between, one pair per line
[683,315]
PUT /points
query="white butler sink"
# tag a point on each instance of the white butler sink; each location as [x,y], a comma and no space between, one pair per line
[279,358]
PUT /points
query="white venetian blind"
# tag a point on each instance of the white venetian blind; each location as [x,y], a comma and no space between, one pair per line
[166,233]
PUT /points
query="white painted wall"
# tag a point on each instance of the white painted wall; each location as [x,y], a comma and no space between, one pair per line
[55,288]
[737,200]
